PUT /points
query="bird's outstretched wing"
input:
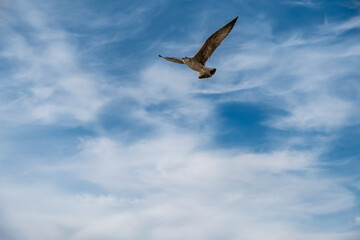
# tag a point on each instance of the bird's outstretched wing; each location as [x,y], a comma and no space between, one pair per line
[172,59]
[213,42]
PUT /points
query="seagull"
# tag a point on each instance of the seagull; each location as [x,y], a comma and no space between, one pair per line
[197,63]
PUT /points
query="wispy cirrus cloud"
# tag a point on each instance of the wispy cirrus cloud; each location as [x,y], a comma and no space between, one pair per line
[176,181]
[305,75]
[353,23]
[46,76]
[305,3]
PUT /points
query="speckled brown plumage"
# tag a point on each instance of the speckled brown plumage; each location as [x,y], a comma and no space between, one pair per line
[197,63]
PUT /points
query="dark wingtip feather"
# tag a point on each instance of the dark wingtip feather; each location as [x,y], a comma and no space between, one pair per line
[160,55]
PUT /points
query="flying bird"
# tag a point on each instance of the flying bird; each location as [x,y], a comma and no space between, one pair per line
[197,63]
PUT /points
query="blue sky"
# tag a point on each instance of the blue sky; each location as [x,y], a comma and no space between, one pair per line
[101,139]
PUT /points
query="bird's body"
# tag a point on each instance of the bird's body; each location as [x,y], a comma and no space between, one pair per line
[197,63]
[203,72]
[193,64]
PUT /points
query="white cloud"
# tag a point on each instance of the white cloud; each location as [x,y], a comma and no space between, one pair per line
[169,186]
[173,162]
[46,75]
[350,24]
[171,89]
[322,113]
[242,62]
[311,78]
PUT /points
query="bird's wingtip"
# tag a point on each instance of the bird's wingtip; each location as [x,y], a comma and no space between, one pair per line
[233,21]
[160,55]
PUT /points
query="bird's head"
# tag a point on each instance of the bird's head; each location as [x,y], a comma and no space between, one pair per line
[185,59]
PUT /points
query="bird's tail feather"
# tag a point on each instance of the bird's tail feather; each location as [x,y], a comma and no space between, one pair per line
[207,72]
